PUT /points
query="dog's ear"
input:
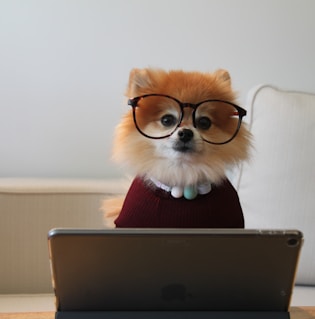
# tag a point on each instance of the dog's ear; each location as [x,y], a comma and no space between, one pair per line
[140,80]
[224,76]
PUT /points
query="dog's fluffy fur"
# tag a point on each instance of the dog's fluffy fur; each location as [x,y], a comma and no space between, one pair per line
[158,158]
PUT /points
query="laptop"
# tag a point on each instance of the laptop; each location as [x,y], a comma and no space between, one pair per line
[173,273]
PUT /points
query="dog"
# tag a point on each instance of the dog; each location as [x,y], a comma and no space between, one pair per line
[182,132]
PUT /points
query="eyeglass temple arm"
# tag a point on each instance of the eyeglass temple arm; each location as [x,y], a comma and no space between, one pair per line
[240,112]
[133,102]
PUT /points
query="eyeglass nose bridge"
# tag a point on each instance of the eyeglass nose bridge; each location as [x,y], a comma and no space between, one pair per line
[184,105]
[191,105]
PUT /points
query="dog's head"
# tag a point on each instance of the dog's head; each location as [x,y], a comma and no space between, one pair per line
[182,127]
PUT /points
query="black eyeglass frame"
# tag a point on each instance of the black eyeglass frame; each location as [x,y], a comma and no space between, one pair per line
[133,102]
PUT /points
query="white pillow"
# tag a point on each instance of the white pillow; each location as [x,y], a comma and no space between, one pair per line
[277,188]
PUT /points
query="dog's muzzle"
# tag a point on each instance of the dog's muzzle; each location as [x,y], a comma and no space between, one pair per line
[184,143]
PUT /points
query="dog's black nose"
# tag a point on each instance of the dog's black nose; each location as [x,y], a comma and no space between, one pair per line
[185,135]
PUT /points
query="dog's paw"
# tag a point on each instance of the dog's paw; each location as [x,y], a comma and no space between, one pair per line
[111,208]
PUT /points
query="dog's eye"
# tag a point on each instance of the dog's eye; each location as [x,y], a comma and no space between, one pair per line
[168,120]
[203,123]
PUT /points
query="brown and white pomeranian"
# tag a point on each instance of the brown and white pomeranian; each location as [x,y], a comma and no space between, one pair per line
[182,132]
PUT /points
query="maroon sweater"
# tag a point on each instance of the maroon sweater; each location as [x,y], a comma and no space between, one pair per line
[146,206]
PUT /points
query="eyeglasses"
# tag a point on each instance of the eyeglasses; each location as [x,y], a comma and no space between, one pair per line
[158,116]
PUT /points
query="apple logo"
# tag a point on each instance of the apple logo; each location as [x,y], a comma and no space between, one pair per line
[174,291]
